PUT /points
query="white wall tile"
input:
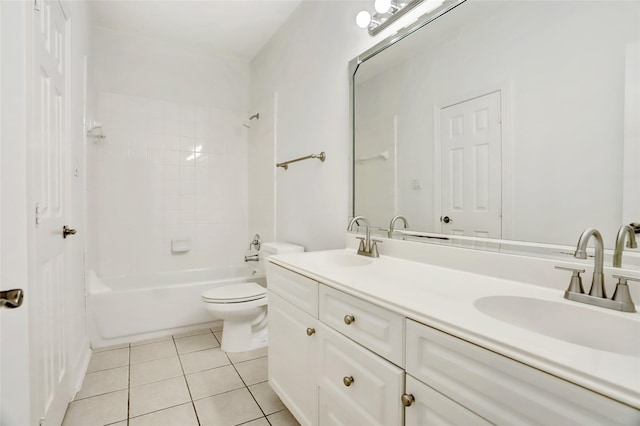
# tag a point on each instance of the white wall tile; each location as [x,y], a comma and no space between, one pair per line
[147,181]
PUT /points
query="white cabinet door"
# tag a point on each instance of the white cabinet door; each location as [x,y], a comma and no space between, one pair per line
[292,358]
[434,409]
[367,386]
[332,413]
[502,390]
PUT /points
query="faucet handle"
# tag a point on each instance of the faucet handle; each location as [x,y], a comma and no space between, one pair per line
[575,284]
[374,248]
[622,295]
[361,247]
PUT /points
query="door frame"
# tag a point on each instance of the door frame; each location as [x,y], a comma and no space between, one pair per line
[505,89]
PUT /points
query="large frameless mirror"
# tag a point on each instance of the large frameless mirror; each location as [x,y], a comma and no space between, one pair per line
[511,120]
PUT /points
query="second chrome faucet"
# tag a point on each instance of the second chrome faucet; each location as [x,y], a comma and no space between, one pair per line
[368,247]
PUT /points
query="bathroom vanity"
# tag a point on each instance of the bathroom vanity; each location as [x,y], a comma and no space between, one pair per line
[391,341]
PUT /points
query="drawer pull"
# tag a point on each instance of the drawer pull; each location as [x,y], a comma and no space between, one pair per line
[311,331]
[348,380]
[407,399]
[348,319]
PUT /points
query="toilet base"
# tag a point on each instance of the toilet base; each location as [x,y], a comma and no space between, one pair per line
[240,336]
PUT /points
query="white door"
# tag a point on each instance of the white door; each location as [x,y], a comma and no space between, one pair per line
[471,139]
[14,348]
[48,157]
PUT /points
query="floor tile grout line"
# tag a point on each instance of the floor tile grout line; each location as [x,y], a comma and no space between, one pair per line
[173,339]
[161,409]
[248,390]
[206,369]
[253,420]
[184,375]
[245,384]
[99,394]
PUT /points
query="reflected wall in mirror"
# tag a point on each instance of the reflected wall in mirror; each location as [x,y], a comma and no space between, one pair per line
[515,120]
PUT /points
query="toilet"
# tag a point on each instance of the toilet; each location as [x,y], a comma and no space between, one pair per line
[243,307]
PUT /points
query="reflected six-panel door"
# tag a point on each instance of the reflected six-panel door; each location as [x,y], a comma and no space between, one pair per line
[471,170]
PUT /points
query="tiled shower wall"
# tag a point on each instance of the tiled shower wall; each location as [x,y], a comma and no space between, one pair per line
[166,171]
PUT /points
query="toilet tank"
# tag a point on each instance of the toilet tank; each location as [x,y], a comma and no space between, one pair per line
[268,249]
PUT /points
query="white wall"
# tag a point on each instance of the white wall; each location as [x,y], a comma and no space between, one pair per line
[261,172]
[305,63]
[139,66]
[173,164]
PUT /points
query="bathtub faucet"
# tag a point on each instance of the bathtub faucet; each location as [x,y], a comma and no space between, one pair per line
[256,243]
[251,258]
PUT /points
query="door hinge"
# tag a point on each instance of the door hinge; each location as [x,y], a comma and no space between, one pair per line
[37,214]
[41,421]
[36,5]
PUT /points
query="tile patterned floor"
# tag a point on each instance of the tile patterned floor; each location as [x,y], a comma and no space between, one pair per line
[179,380]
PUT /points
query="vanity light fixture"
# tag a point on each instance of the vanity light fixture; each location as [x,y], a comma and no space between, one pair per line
[389,11]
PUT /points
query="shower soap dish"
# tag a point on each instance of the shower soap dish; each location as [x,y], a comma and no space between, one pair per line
[180,246]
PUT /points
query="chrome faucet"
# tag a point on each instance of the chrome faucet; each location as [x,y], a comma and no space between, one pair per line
[368,247]
[597,285]
[625,230]
[393,223]
[621,300]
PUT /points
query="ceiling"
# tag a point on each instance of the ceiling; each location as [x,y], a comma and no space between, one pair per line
[238,28]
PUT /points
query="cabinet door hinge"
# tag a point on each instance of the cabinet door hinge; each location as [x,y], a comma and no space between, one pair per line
[37,214]
[36,5]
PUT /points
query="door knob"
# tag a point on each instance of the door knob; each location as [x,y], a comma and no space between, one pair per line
[348,319]
[311,331]
[11,299]
[67,231]
[445,219]
[348,380]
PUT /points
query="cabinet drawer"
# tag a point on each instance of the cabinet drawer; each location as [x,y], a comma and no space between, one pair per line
[297,289]
[373,398]
[434,409]
[502,390]
[376,328]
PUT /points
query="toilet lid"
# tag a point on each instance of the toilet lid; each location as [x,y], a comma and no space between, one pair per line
[235,293]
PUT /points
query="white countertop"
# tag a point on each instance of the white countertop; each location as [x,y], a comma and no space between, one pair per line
[444,299]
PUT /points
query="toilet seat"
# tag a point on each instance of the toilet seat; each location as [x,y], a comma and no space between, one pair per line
[235,293]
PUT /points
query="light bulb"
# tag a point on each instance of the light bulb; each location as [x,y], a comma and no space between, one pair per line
[382,6]
[363,19]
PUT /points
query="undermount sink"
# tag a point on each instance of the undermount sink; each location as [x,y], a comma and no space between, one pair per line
[574,324]
[339,259]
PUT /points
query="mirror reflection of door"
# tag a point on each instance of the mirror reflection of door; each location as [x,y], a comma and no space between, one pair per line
[471,140]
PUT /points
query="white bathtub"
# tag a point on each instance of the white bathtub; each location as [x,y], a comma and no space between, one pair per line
[138,307]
